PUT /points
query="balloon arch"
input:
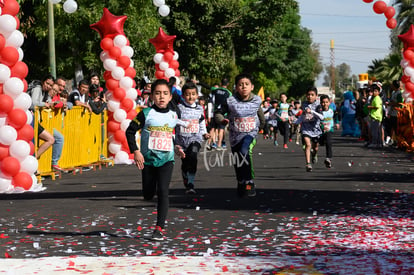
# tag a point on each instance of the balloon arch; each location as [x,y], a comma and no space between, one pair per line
[17,163]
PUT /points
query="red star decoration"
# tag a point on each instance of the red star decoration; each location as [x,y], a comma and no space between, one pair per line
[110,25]
[408,38]
[163,42]
[1,3]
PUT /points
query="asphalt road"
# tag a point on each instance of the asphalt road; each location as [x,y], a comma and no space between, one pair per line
[362,206]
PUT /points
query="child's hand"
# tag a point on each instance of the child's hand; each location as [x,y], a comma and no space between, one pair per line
[179,151]
[225,121]
[139,159]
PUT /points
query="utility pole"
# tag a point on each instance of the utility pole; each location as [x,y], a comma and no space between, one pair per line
[332,66]
[51,29]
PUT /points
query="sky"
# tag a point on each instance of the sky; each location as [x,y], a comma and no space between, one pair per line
[360,35]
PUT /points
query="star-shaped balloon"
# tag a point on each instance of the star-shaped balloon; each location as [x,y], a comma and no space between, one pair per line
[408,38]
[110,25]
[163,42]
[1,3]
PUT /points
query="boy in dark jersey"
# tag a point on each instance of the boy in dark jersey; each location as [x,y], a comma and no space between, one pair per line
[245,117]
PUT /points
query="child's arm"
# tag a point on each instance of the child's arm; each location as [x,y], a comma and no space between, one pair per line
[134,126]
[219,114]
[262,119]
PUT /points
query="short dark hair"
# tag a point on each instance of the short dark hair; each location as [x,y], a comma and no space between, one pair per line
[47,77]
[159,82]
[243,75]
[312,89]
[396,84]
[93,88]
[375,87]
[224,82]
[188,86]
[83,82]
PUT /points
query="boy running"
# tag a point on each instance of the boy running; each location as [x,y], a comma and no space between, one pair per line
[245,118]
[327,128]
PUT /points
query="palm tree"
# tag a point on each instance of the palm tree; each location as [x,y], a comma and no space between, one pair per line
[405,17]
[386,69]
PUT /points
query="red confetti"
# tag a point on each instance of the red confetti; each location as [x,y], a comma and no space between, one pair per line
[30,226]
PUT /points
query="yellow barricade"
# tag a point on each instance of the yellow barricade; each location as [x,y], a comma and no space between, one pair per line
[85,137]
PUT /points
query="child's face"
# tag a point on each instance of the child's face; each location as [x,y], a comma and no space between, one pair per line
[311,96]
[202,102]
[161,96]
[283,98]
[244,87]
[274,105]
[376,92]
[297,106]
[325,104]
[190,96]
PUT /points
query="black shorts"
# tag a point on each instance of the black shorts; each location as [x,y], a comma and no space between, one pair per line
[40,129]
[215,125]
[312,139]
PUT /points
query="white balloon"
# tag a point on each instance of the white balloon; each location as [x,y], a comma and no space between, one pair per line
[21,54]
[125,124]
[29,117]
[13,87]
[103,55]
[15,39]
[114,147]
[126,82]
[176,55]
[132,93]
[169,72]
[113,105]
[109,64]
[5,184]
[163,65]
[19,149]
[70,6]
[4,73]
[120,40]
[127,51]
[29,165]
[35,186]
[158,58]
[122,157]
[120,115]
[404,63]
[23,101]
[7,24]
[2,121]
[409,71]
[55,1]
[8,135]
[158,3]
[109,95]
[164,10]
[131,64]
[118,73]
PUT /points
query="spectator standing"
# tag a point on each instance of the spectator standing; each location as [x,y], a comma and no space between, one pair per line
[375,115]
[80,96]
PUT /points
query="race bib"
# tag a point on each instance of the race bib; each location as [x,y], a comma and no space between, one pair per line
[284,115]
[245,124]
[326,126]
[193,129]
[160,140]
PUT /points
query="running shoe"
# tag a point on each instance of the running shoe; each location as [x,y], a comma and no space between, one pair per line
[158,234]
[328,163]
[285,146]
[275,143]
[290,140]
[213,146]
[190,191]
[250,189]
[314,157]
[223,145]
[57,168]
[308,167]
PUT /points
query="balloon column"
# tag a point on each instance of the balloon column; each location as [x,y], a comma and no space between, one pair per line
[383,6]
[17,163]
[407,63]
[119,76]
[70,6]
[166,64]
[163,9]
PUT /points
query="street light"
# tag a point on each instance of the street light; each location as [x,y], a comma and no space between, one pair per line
[70,6]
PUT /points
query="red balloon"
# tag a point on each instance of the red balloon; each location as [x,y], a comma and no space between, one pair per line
[9,56]
[11,7]
[159,74]
[127,104]
[174,64]
[134,84]
[17,118]
[409,86]
[24,85]
[405,78]
[119,136]
[124,61]
[115,52]
[32,148]
[379,7]
[389,12]
[6,103]
[177,73]
[22,179]
[113,126]
[367,1]
[408,54]
[10,166]
[119,93]
[130,72]
[1,89]
[4,151]
[2,42]
[25,133]
[109,25]
[112,84]
[19,70]
[391,23]
[17,22]
[168,56]
[408,38]
[106,43]
[107,75]
[132,114]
